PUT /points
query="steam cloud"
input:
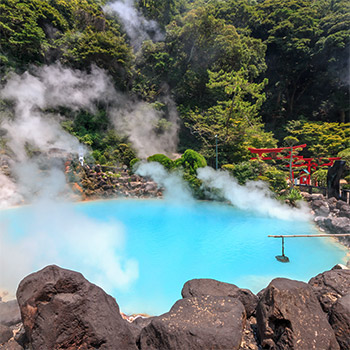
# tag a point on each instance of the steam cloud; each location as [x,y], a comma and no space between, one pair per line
[175,187]
[140,122]
[50,87]
[54,233]
[137,27]
[254,196]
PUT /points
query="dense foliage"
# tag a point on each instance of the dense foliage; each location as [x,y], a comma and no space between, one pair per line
[242,73]
[74,32]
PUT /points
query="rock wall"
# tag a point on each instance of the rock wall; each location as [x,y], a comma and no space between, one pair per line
[61,310]
[99,182]
[330,215]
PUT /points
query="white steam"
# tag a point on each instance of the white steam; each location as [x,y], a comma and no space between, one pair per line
[175,187]
[141,123]
[56,234]
[51,87]
[137,27]
[254,196]
[37,185]
[9,194]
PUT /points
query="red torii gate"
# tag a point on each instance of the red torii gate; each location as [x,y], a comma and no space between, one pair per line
[309,163]
[274,151]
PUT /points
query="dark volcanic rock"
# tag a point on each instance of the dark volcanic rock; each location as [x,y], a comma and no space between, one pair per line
[289,316]
[62,310]
[138,324]
[9,313]
[337,224]
[344,212]
[196,324]
[332,203]
[249,340]
[11,345]
[21,337]
[329,286]
[202,287]
[5,334]
[339,319]
[320,207]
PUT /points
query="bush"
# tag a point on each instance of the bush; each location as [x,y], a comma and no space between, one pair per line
[195,185]
[190,161]
[276,179]
[126,153]
[228,167]
[345,155]
[248,170]
[162,159]
[133,162]
[292,195]
[134,165]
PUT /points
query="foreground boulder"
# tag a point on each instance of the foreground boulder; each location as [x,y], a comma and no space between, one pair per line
[329,286]
[204,286]
[9,313]
[339,319]
[289,316]
[61,310]
[5,334]
[196,324]
[11,345]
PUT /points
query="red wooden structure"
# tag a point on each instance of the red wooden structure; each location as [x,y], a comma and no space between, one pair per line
[308,164]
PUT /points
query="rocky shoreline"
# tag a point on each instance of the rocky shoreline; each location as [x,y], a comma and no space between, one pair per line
[330,215]
[59,309]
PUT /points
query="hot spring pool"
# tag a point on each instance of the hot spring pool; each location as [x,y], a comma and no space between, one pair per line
[143,251]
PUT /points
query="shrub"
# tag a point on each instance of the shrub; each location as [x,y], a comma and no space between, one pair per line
[345,155]
[228,167]
[133,166]
[195,185]
[126,153]
[133,162]
[162,159]
[190,161]
[276,179]
[293,195]
[248,170]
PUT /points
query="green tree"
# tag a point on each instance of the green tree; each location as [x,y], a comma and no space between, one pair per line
[322,139]
[307,50]
[75,32]
[234,120]
[197,42]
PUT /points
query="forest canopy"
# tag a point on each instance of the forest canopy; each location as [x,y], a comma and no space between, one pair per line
[240,73]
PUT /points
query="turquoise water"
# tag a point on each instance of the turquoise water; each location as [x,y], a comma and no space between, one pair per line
[168,244]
